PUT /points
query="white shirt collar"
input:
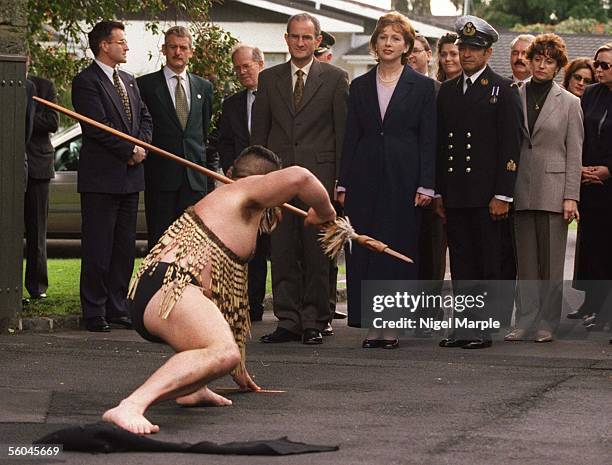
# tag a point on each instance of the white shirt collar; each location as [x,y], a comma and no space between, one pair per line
[474,77]
[305,68]
[169,74]
[108,70]
[525,81]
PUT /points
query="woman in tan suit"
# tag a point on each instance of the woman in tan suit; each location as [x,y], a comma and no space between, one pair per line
[546,192]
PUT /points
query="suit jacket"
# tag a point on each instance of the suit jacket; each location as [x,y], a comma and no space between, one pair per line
[479,140]
[312,135]
[551,156]
[597,148]
[189,143]
[39,149]
[233,128]
[103,166]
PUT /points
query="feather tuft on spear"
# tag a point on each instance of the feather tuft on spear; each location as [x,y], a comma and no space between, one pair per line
[334,235]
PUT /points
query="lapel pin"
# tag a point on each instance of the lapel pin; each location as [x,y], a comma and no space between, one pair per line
[199,96]
[484,81]
[131,85]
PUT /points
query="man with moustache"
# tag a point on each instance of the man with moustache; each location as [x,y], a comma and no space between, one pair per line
[521,74]
[181,106]
[300,113]
[234,133]
[479,137]
[110,177]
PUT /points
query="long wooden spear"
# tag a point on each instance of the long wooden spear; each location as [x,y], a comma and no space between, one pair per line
[334,235]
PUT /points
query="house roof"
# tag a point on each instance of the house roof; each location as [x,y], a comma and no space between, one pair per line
[341,15]
[578,45]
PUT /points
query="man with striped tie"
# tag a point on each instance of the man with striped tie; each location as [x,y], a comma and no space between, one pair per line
[110,177]
[181,106]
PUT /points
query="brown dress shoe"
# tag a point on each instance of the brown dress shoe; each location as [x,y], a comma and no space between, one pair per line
[543,336]
[517,334]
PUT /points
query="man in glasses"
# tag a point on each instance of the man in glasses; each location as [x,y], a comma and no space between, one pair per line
[110,177]
[300,113]
[234,133]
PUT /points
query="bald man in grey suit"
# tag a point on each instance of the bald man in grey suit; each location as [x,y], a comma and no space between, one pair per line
[300,114]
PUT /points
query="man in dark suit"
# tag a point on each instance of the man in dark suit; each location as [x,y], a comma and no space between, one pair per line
[479,137]
[300,113]
[234,133]
[181,106]
[110,177]
[40,171]
[432,237]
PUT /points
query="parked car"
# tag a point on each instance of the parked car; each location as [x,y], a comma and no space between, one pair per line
[64,201]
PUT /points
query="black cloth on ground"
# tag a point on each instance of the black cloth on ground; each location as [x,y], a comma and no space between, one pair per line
[104,437]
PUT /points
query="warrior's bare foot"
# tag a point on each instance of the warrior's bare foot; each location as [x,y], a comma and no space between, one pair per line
[129,416]
[203,396]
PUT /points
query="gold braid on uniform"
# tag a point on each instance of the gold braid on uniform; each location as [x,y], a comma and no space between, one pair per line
[195,246]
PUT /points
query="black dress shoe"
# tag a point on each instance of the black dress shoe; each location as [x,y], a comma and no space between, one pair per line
[328,331]
[122,321]
[391,344]
[478,344]
[279,335]
[576,315]
[451,342]
[339,315]
[25,302]
[39,296]
[312,336]
[97,324]
[371,343]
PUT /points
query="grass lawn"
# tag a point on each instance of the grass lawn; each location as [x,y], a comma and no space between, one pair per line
[63,293]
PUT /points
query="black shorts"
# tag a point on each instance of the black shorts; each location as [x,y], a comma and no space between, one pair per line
[148,285]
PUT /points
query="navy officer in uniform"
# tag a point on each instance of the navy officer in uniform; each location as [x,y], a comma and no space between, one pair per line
[479,140]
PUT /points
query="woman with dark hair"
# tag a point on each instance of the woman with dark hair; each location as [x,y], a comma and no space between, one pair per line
[594,267]
[387,168]
[579,73]
[547,190]
[447,53]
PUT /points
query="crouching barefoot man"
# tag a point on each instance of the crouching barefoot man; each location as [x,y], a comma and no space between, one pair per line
[190,291]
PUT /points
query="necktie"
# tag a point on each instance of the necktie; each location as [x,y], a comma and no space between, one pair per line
[122,95]
[250,108]
[298,90]
[468,83]
[180,101]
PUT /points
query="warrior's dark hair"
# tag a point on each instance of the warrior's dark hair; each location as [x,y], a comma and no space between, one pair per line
[255,159]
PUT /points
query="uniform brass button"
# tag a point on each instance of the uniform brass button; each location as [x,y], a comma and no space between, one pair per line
[450,158]
[468,158]
[450,170]
[468,169]
[468,135]
[450,134]
[468,146]
[450,146]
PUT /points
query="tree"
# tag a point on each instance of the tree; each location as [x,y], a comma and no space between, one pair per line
[57,36]
[417,7]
